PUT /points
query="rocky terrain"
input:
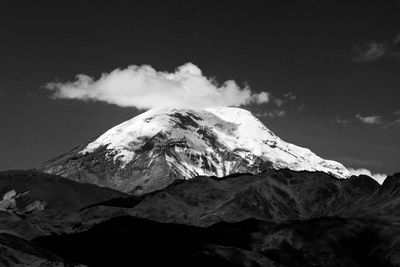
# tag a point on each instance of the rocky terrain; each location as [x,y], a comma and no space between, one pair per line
[17,251]
[323,241]
[276,218]
[35,204]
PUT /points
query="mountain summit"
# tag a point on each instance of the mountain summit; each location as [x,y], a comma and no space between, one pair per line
[155,148]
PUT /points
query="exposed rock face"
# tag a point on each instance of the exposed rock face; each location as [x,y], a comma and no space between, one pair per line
[150,151]
[19,204]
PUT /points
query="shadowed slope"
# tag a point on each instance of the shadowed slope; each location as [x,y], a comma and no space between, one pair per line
[127,241]
[39,203]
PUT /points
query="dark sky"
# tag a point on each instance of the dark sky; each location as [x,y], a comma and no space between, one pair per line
[338,59]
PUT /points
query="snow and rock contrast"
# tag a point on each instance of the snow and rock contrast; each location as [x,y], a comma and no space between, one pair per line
[153,149]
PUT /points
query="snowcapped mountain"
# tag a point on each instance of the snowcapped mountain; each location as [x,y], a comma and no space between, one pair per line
[159,146]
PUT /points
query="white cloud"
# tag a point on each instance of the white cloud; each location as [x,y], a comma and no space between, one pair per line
[379,177]
[397,112]
[369,119]
[143,87]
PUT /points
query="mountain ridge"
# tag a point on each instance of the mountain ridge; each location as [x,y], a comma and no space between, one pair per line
[159,146]
[275,218]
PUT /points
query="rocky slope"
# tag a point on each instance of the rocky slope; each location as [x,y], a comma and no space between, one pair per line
[35,203]
[274,195]
[276,218]
[324,242]
[16,251]
[55,192]
[150,151]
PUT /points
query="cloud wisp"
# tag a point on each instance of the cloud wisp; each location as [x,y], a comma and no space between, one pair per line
[143,87]
[375,119]
[379,177]
[374,50]
[286,98]
[393,124]
[370,51]
[301,107]
[396,40]
[271,114]
[387,123]
[340,120]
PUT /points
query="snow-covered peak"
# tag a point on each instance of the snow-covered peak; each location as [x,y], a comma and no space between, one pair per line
[207,142]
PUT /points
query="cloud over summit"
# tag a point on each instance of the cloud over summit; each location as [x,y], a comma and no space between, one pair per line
[143,87]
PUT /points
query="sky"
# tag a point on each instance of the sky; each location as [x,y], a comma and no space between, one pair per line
[325,76]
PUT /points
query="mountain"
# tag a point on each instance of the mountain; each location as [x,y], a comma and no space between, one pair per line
[275,218]
[274,195]
[209,187]
[153,149]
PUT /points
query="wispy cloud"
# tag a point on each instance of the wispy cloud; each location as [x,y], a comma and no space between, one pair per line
[279,102]
[375,119]
[143,87]
[340,120]
[396,40]
[290,96]
[379,177]
[387,122]
[375,50]
[271,114]
[284,99]
[301,107]
[393,124]
[396,121]
[370,51]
